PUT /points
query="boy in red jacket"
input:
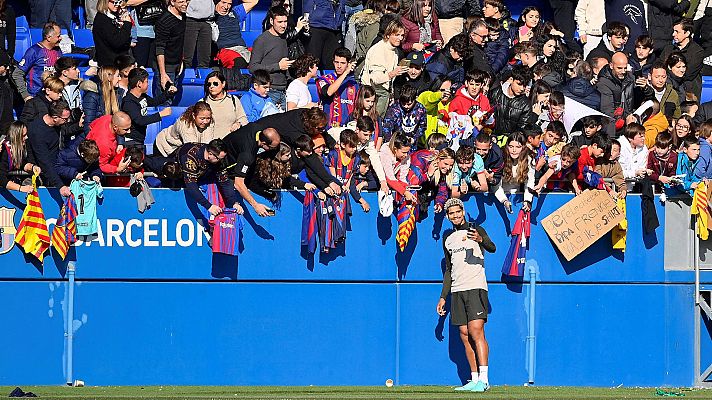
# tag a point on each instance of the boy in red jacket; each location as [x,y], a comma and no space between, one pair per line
[471,100]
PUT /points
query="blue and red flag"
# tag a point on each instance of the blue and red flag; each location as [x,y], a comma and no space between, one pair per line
[65,230]
[594,179]
[310,225]
[517,255]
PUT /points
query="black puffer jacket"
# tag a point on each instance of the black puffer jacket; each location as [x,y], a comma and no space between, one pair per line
[615,93]
[661,15]
[511,113]
[583,91]
[457,8]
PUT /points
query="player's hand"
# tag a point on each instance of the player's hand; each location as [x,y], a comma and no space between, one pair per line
[79,176]
[336,188]
[138,176]
[123,164]
[364,204]
[440,309]
[261,210]
[664,179]
[474,235]
[165,112]
[285,63]
[410,197]
[238,208]
[164,79]
[64,191]
[321,196]
[622,194]
[384,187]
[214,210]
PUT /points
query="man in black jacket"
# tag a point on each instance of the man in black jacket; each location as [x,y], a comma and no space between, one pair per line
[661,16]
[615,83]
[615,39]
[452,13]
[512,109]
[682,36]
[479,34]
[136,103]
[448,62]
[44,139]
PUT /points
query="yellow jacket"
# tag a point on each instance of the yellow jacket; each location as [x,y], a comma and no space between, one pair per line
[435,109]
[653,126]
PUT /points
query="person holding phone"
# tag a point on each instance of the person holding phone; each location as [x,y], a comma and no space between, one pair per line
[111,31]
[465,280]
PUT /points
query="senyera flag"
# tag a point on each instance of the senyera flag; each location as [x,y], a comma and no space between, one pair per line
[32,234]
[65,230]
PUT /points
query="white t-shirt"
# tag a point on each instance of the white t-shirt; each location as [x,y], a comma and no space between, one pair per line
[298,93]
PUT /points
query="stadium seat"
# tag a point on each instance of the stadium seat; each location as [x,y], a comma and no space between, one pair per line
[23,40]
[171,119]
[203,72]
[250,37]
[313,90]
[706,89]
[83,38]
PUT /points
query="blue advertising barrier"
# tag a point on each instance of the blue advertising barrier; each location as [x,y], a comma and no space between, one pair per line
[153,305]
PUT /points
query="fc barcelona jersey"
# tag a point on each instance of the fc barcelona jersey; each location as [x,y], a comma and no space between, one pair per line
[226,232]
[86,194]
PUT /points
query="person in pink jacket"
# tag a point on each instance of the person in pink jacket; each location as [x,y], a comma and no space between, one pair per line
[104,131]
[421,28]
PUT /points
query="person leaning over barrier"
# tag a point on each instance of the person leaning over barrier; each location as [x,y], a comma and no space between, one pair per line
[465,278]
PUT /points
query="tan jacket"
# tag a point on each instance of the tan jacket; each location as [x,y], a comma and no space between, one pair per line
[590,16]
[225,113]
[614,171]
[171,138]
[381,59]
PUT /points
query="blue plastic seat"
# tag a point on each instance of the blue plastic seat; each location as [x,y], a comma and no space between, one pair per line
[83,38]
[706,89]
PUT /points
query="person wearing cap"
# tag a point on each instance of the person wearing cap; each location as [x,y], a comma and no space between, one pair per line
[465,280]
[66,70]
[415,75]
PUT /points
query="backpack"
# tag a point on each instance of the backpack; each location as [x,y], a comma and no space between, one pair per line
[235,79]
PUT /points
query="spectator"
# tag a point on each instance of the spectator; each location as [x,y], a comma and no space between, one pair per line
[78,161]
[229,19]
[470,100]
[194,126]
[205,163]
[104,131]
[590,16]
[124,64]
[298,94]
[37,106]
[198,32]
[451,16]
[364,177]
[527,25]
[325,20]
[65,69]
[111,31]
[448,62]
[338,89]
[136,103]
[42,11]
[682,129]
[590,156]
[257,102]
[498,10]
[437,108]
[662,161]
[406,115]
[8,28]
[102,95]
[517,174]
[550,53]
[513,112]
[591,127]
[703,169]
[430,168]
[564,20]
[366,106]
[44,140]
[7,92]
[228,114]
[144,17]
[610,168]
[579,88]
[497,46]
[468,173]
[269,52]
[557,105]
[634,153]
[491,157]
[563,170]
[396,164]
[477,58]
[242,147]
[421,27]
[660,89]
[365,25]
[693,53]
[615,83]
[343,164]
[642,60]
[15,156]
[170,38]
[296,34]
[613,41]
[676,64]
[655,125]
[381,64]
[40,57]
[687,162]
[661,16]
[275,170]
[416,76]
[539,96]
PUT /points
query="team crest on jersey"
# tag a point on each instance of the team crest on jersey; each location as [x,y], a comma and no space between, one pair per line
[7,229]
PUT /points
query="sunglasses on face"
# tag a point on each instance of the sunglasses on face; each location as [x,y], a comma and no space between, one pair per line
[214,83]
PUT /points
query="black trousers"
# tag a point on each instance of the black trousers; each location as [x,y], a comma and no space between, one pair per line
[322,45]
[198,36]
[564,21]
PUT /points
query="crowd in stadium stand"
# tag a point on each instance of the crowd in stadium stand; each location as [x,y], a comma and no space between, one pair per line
[424,99]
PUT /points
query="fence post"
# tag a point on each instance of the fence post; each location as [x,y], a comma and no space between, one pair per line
[69,326]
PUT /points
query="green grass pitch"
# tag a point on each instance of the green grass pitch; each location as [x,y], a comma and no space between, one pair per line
[344,392]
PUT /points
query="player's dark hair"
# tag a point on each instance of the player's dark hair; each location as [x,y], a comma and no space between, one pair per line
[343,52]
[304,143]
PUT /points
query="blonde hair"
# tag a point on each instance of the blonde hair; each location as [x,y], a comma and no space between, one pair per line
[52,83]
[111,102]
[439,155]
[15,134]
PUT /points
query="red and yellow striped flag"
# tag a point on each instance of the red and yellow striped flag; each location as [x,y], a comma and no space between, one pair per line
[701,210]
[65,230]
[32,234]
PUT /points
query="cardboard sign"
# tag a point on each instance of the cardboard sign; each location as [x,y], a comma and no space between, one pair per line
[583,220]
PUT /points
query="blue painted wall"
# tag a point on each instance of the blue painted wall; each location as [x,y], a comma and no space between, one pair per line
[154,306]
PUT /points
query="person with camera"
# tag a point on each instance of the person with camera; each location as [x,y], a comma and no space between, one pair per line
[111,31]
[465,280]
[136,103]
[170,40]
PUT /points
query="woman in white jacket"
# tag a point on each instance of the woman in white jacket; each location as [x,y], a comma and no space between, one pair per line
[518,173]
[590,15]
[194,126]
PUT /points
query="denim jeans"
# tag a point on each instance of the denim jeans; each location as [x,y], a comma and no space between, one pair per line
[177,78]
[278,97]
[59,11]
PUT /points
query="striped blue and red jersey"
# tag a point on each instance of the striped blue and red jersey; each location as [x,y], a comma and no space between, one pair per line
[226,232]
[35,62]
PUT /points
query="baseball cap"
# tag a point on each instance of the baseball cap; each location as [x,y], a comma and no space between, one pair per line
[65,63]
[416,58]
